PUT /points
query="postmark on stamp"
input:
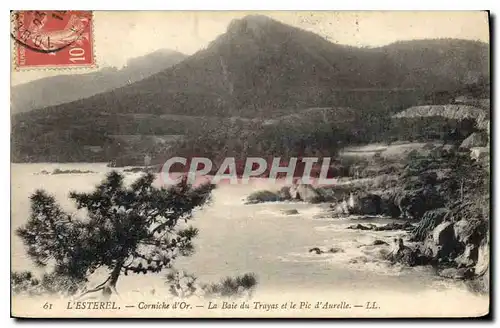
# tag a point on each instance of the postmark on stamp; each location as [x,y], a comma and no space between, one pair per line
[52,39]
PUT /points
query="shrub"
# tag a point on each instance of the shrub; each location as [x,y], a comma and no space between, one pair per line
[182,284]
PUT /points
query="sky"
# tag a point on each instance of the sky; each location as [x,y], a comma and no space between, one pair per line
[121,35]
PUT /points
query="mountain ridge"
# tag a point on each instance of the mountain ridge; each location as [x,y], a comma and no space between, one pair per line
[60,89]
[220,76]
[261,68]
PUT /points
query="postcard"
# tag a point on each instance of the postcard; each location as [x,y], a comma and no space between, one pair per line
[273,164]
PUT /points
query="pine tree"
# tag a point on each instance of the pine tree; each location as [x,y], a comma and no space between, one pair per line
[127,229]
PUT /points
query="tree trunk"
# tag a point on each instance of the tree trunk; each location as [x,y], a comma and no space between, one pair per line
[108,286]
[462,190]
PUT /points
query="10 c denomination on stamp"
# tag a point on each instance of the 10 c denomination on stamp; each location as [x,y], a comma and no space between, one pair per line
[53,39]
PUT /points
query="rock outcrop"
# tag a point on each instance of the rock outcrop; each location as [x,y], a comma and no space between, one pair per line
[443,237]
[456,249]
[262,196]
[480,153]
[476,139]
[340,209]
[365,204]
[481,281]
[429,221]
[402,254]
[451,111]
[388,205]
[332,250]
[386,227]
[483,259]
[284,193]
[379,242]
[454,273]
[316,250]
[306,193]
[413,204]
[362,227]
[461,230]
[444,233]
[468,258]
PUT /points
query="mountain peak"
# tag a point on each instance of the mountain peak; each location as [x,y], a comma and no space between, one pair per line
[258,19]
[249,23]
[160,54]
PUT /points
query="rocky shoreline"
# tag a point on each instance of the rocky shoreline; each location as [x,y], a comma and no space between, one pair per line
[442,230]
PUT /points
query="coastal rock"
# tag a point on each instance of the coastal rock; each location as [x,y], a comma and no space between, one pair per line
[430,248]
[481,281]
[74,171]
[386,227]
[316,250]
[443,234]
[453,273]
[379,242]
[332,250]
[469,257]
[261,197]
[306,193]
[443,237]
[437,215]
[361,227]
[405,201]
[394,226]
[480,284]
[476,139]
[290,212]
[340,209]
[284,193]
[461,230]
[413,204]
[429,221]
[402,253]
[483,259]
[365,204]
[388,206]
[294,192]
[480,153]
[359,260]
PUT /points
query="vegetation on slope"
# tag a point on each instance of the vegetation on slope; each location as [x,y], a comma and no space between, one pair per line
[258,69]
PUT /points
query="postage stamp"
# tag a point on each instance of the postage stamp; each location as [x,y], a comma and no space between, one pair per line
[52,39]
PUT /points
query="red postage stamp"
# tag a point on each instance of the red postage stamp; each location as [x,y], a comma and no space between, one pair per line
[53,39]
